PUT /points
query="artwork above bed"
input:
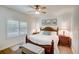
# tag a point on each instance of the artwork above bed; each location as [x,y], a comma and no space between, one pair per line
[49,25]
[49,22]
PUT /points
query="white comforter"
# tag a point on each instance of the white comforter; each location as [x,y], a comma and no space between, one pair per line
[45,40]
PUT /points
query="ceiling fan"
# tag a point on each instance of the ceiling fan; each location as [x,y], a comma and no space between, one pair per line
[38,9]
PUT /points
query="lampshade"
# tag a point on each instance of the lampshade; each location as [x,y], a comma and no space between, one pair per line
[64,32]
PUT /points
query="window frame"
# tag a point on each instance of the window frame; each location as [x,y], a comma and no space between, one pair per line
[19,32]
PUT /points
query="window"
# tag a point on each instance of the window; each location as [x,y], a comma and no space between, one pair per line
[23,29]
[12,28]
[16,28]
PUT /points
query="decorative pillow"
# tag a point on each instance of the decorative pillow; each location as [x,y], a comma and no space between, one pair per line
[46,33]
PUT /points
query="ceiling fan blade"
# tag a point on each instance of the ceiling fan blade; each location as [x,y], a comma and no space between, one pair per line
[39,8]
[31,6]
[44,12]
[43,8]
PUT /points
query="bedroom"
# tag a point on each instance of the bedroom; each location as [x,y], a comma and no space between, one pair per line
[20,20]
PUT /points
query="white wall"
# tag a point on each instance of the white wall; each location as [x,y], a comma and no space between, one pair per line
[6,14]
[32,20]
[64,19]
[75,30]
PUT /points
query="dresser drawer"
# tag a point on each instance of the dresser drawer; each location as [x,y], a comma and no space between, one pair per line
[64,41]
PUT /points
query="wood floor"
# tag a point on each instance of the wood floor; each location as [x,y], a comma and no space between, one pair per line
[62,50]
[65,50]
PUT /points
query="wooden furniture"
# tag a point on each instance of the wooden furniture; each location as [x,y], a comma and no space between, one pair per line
[26,51]
[29,48]
[64,41]
[35,33]
[49,49]
[50,29]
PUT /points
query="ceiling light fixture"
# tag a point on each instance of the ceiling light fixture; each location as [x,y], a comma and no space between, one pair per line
[38,9]
[37,12]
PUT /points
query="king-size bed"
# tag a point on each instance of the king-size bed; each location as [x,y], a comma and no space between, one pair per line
[47,38]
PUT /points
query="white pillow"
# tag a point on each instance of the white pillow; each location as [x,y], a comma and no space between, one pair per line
[45,33]
[41,32]
[53,33]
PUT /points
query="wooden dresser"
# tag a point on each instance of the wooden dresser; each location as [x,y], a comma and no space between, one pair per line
[64,41]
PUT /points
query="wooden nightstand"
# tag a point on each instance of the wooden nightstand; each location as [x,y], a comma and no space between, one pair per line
[35,33]
[64,41]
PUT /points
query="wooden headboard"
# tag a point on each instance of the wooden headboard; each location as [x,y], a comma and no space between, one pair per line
[49,29]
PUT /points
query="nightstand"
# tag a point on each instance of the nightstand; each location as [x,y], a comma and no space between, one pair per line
[64,41]
[35,33]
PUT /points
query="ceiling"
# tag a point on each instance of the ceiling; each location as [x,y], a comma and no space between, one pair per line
[51,9]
